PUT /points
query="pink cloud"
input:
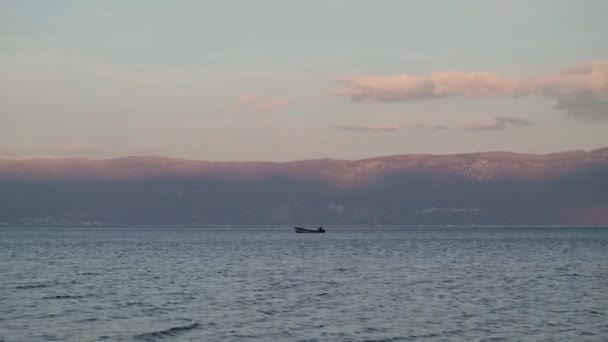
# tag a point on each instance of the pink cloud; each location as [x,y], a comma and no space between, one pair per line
[383,128]
[256,103]
[415,87]
[581,91]
[589,79]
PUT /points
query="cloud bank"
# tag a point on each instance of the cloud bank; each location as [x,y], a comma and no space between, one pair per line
[581,91]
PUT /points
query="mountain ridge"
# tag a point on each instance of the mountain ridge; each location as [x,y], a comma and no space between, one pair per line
[414,189]
[476,164]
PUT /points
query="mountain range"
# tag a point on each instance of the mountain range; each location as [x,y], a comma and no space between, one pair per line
[489,188]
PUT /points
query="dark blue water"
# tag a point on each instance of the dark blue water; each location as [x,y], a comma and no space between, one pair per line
[194,284]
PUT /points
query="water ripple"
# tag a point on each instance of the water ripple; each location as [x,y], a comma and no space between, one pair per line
[99,284]
[162,334]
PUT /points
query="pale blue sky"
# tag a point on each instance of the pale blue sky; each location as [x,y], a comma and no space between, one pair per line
[258,80]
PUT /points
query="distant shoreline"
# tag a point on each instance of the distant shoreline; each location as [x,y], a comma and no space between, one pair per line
[213,226]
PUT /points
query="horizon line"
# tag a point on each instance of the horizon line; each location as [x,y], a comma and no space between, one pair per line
[287,226]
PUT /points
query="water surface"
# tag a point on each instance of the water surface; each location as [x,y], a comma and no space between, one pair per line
[197,284]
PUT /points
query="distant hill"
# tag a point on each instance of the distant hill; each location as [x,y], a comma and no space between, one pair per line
[459,189]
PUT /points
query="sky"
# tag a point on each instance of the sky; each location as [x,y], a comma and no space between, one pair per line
[286,80]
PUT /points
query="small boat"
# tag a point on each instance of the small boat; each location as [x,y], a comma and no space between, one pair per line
[299,230]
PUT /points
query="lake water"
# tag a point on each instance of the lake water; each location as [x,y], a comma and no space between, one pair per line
[197,284]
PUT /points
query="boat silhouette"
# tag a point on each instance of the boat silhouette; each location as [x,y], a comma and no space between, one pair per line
[300,230]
